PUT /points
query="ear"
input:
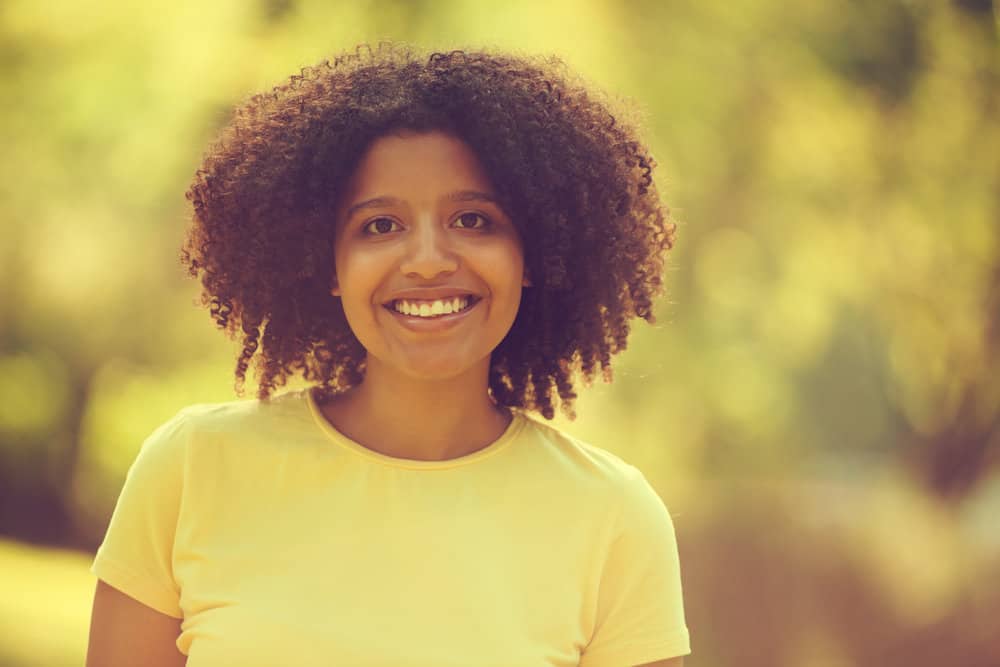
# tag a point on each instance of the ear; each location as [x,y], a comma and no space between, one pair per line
[526,281]
[334,286]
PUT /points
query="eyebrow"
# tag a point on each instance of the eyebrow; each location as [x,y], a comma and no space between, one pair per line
[375,202]
[471,195]
[386,201]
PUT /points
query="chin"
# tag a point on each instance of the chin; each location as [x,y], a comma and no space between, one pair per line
[440,368]
[436,372]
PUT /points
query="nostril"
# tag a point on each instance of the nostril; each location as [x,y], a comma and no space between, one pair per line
[429,265]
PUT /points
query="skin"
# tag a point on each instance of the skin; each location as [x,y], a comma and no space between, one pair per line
[416,236]
[124,632]
[428,241]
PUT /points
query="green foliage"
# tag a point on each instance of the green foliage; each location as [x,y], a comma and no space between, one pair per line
[832,301]
[45,608]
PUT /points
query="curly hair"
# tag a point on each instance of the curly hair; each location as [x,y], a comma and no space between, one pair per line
[575,179]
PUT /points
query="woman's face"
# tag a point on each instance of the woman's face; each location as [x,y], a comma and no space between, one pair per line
[427,265]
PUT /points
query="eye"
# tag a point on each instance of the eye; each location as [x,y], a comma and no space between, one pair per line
[471,221]
[380,226]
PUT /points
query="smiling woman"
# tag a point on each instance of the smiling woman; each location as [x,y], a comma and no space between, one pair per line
[432,253]
[443,246]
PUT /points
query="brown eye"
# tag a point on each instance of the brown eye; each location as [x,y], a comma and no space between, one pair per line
[471,221]
[380,226]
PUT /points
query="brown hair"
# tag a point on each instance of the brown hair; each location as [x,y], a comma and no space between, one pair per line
[574,178]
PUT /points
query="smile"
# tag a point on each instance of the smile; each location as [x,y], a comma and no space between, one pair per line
[423,315]
[432,308]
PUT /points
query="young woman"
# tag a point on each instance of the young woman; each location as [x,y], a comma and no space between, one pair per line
[441,246]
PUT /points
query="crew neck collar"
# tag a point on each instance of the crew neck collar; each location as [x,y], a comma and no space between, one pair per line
[342,441]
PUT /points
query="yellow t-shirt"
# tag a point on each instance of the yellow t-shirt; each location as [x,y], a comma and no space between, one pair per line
[279,541]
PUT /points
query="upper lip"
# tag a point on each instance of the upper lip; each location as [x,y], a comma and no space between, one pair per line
[430,293]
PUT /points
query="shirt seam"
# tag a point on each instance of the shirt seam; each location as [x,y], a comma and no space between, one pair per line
[140,587]
[509,436]
[677,645]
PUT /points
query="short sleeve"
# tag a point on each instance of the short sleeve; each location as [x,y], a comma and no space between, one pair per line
[640,609]
[136,555]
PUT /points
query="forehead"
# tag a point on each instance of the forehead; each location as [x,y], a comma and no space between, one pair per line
[413,163]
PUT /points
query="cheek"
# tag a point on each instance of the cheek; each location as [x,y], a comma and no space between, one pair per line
[509,267]
[357,275]
[504,255]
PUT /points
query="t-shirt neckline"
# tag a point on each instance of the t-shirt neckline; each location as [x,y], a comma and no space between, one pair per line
[336,437]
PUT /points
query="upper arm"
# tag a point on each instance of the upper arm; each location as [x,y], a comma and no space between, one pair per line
[125,632]
[671,662]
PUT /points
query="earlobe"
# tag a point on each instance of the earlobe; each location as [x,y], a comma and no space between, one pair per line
[526,281]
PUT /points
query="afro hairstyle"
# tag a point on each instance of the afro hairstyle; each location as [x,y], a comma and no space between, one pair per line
[567,168]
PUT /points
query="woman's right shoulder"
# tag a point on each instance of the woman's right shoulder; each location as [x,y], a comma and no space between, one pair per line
[199,423]
[231,414]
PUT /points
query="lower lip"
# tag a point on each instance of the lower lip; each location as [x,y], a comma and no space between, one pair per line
[427,324]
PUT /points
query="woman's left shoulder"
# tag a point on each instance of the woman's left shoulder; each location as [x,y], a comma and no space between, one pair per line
[581,458]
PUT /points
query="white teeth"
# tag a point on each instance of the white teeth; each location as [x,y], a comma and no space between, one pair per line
[431,308]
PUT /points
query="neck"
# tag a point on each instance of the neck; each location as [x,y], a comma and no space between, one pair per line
[409,418]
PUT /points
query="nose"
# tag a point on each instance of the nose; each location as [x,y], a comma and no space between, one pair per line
[428,252]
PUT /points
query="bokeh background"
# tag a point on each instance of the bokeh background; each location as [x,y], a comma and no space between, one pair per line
[818,404]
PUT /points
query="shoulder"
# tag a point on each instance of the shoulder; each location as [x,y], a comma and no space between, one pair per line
[580,451]
[242,414]
[604,476]
[579,459]
[199,427]
[278,414]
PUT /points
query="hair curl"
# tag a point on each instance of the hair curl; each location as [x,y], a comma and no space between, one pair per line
[576,181]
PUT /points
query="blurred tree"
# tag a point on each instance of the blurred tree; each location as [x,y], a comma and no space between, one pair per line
[833,302]
[810,153]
